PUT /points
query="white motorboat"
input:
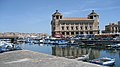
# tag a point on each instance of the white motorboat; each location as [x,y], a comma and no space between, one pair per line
[104,61]
[4,46]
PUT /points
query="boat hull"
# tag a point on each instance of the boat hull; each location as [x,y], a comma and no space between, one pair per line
[104,61]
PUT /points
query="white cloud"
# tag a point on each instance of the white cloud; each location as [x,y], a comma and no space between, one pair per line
[70,12]
[105,8]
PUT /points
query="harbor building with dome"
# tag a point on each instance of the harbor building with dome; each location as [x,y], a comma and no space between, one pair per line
[68,27]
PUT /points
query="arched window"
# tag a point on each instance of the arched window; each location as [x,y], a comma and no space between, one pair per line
[67,27]
[86,27]
[76,27]
[72,28]
[81,27]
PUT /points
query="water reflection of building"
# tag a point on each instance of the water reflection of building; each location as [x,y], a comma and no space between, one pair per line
[74,51]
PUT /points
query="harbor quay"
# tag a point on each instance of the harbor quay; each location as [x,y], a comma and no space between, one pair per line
[26,58]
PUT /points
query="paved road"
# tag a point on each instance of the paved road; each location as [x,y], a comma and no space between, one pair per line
[26,58]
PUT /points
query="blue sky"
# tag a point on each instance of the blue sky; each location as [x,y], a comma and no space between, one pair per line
[34,16]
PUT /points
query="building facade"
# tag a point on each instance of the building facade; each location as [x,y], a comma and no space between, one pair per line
[112,28]
[69,27]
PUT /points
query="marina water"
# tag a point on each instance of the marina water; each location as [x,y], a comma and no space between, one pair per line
[74,51]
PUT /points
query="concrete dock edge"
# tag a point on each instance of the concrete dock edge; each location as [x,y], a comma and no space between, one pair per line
[26,58]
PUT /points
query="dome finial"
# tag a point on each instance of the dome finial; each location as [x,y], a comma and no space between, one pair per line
[57,13]
[56,10]
[92,11]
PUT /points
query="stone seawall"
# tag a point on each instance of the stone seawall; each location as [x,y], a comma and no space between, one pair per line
[26,58]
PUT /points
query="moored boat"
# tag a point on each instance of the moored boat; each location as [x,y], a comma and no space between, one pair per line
[116,45]
[104,61]
[4,46]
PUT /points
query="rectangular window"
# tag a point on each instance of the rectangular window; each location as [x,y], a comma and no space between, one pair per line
[72,33]
[91,17]
[98,32]
[63,33]
[91,32]
[86,32]
[67,33]
[53,28]
[60,17]
[77,33]
[113,28]
[81,32]
[62,28]
[57,17]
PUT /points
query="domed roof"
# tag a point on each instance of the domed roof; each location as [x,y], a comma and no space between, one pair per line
[93,13]
[57,13]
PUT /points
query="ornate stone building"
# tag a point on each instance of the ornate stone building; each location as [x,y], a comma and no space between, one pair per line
[72,26]
[112,28]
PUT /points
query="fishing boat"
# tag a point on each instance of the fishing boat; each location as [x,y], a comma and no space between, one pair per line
[4,46]
[116,46]
[104,61]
